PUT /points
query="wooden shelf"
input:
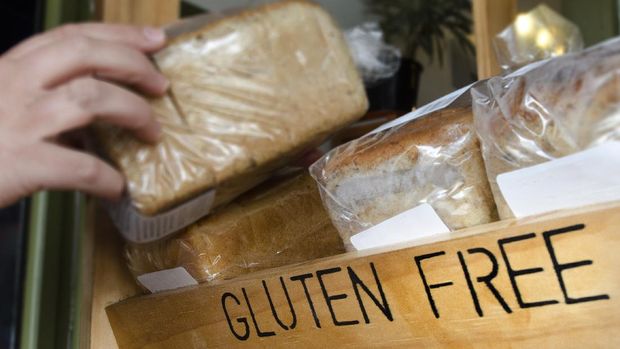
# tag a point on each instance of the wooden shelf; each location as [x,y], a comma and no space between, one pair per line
[548,281]
[490,17]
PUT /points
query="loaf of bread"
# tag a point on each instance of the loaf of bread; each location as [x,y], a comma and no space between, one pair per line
[248,93]
[278,223]
[548,110]
[433,159]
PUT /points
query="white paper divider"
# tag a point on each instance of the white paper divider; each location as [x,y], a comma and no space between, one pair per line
[415,223]
[168,279]
[588,177]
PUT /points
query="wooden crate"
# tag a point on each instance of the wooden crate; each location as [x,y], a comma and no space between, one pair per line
[548,281]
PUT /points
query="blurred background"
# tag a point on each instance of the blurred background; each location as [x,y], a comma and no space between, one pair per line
[441,74]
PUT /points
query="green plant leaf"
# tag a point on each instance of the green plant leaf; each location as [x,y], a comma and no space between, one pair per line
[421,26]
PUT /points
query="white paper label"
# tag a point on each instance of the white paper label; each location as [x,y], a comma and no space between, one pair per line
[167,279]
[585,178]
[420,221]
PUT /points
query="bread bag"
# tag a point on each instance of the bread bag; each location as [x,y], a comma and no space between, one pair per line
[249,92]
[280,222]
[548,110]
[431,156]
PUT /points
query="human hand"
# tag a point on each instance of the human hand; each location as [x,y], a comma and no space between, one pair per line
[63,80]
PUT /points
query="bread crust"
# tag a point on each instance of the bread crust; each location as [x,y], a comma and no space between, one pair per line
[241,14]
[431,129]
[278,223]
[558,108]
[433,160]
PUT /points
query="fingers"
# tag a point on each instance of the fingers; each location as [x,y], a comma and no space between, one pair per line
[56,167]
[84,100]
[71,58]
[145,39]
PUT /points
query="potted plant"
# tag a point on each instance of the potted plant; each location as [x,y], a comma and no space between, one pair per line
[420,27]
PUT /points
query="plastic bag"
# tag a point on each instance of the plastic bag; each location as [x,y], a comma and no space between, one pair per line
[536,35]
[278,223]
[375,60]
[429,156]
[249,92]
[548,110]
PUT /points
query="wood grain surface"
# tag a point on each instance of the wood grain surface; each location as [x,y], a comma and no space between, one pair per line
[550,281]
[111,278]
[490,17]
[140,12]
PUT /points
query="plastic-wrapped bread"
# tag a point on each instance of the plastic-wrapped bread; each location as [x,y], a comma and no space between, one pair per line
[548,110]
[433,159]
[248,92]
[278,223]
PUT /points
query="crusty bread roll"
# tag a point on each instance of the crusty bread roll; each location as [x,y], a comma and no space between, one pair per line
[278,223]
[248,92]
[549,111]
[434,159]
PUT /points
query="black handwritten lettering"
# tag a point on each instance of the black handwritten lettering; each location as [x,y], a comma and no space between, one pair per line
[357,282]
[512,274]
[472,290]
[302,278]
[486,279]
[427,287]
[258,331]
[241,320]
[560,267]
[330,298]
[273,308]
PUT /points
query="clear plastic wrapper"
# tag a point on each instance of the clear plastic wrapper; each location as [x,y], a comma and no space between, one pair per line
[278,223]
[249,92]
[539,34]
[430,156]
[375,59]
[548,110]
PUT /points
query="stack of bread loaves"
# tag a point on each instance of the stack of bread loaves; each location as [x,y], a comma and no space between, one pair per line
[539,113]
[278,223]
[250,92]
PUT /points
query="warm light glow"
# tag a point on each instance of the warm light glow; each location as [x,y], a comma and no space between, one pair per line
[544,39]
[524,25]
[560,50]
